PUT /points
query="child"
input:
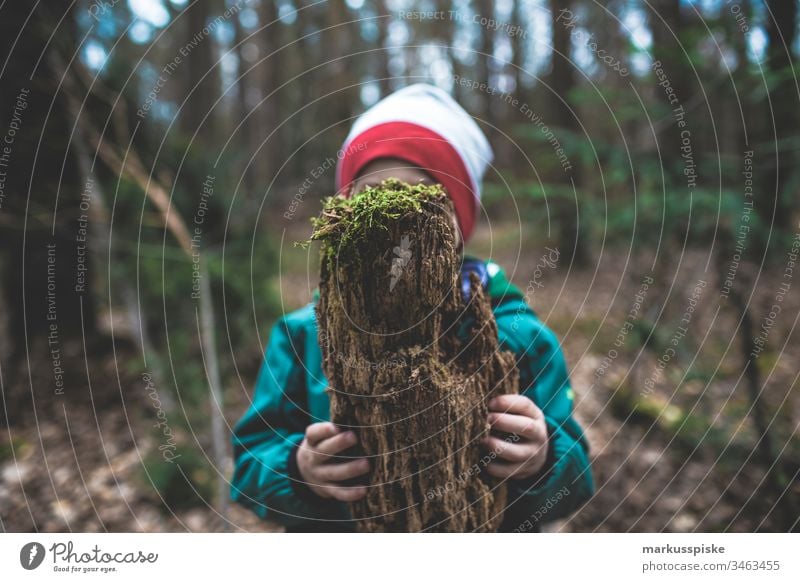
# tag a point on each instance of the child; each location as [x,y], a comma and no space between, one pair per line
[285,448]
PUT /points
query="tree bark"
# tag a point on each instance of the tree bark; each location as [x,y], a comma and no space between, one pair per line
[202,75]
[40,206]
[412,387]
[781,116]
[486,63]
[567,212]
[383,21]
[267,117]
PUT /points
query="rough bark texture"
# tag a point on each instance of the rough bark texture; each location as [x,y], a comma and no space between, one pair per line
[411,365]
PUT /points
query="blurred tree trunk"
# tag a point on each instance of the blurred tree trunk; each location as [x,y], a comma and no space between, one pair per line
[201,92]
[782,117]
[40,209]
[773,496]
[341,93]
[292,62]
[518,48]
[670,28]
[566,126]
[486,62]
[199,117]
[384,19]
[247,132]
[506,149]
[47,276]
[667,25]
[738,130]
[312,52]
[267,79]
[447,31]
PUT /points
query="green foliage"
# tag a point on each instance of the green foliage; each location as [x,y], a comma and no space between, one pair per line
[184,483]
[241,270]
[683,424]
[244,284]
[651,206]
[648,409]
[12,448]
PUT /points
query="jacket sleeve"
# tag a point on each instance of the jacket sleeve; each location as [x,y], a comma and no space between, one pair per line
[265,438]
[565,483]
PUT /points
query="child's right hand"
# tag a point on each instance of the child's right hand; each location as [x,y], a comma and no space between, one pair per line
[318,467]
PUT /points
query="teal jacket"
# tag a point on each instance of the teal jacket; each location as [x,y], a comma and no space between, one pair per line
[290,395]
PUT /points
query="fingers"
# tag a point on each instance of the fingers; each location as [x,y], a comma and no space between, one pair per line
[524,426]
[335,472]
[347,493]
[512,452]
[319,431]
[515,404]
[336,444]
[505,470]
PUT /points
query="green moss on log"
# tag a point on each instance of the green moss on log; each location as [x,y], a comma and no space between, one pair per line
[350,221]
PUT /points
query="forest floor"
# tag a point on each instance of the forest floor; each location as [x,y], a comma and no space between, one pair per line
[663,458]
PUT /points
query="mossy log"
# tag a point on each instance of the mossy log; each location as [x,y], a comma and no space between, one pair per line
[411,364]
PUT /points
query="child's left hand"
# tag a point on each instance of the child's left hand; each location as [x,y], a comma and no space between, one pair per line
[518,415]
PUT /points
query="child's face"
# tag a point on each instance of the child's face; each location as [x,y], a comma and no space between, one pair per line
[384,168]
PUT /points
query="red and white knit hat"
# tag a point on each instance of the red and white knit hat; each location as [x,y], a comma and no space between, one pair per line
[424,126]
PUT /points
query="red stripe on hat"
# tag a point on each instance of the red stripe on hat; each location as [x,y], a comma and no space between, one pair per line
[421,147]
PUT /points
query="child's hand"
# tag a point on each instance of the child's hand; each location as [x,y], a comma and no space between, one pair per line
[522,458]
[318,468]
